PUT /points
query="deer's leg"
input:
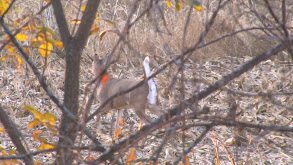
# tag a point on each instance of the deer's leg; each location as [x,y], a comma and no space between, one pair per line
[141,114]
[99,121]
[155,109]
[119,117]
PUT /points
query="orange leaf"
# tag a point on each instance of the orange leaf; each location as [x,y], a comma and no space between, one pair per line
[185,161]
[45,146]
[131,157]
[121,122]
[26,50]
[104,78]
[95,29]
[117,132]
[91,159]
[25,28]
[36,134]
[37,163]
[101,35]
[139,125]
[58,44]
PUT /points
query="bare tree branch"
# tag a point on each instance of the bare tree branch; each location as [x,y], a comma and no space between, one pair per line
[189,149]
[23,156]
[16,136]
[87,20]
[62,24]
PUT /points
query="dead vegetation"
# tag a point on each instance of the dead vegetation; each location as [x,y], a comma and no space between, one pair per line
[246,121]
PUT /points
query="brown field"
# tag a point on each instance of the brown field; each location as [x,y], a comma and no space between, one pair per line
[261,95]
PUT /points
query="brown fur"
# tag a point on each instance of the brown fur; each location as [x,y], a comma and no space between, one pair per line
[136,99]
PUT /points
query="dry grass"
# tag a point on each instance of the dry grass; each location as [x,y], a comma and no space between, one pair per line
[250,146]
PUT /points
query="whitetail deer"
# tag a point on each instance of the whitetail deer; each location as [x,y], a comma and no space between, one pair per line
[136,99]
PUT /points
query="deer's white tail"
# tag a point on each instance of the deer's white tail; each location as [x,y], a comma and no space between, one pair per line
[152,86]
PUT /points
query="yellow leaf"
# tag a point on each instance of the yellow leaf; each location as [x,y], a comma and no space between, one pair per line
[11,152]
[17,66]
[45,49]
[4,6]
[131,157]
[198,8]
[1,148]
[139,126]
[169,4]
[45,146]
[195,4]
[45,30]
[83,8]
[35,41]
[35,112]
[18,58]
[34,123]
[97,18]
[15,161]
[3,58]
[32,25]
[109,22]
[51,128]
[76,21]
[50,118]
[21,37]
[178,6]
[11,50]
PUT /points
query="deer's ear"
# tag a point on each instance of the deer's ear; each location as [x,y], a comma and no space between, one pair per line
[96,57]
